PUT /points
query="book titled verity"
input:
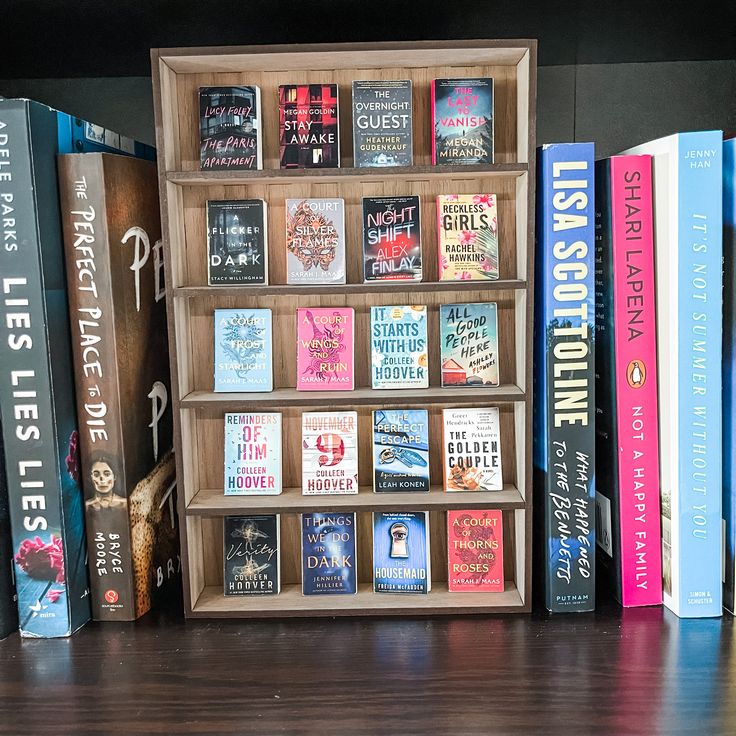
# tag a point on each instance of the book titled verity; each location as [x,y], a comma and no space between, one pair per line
[329,565]
[399,347]
[229,128]
[308,126]
[243,351]
[400,450]
[252,454]
[324,357]
[251,555]
[462,121]
[237,242]
[329,453]
[474,551]
[401,561]
[469,344]
[471,440]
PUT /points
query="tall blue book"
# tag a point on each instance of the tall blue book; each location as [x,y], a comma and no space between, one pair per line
[401,560]
[329,566]
[400,450]
[688,243]
[243,354]
[564,377]
[399,347]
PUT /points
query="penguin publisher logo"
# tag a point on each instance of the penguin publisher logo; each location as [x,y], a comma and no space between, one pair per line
[636,373]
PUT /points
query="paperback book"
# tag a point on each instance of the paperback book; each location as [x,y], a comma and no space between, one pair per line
[243,350]
[324,353]
[251,554]
[8,598]
[329,453]
[474,551]
[252,454]
[329,566]
[469,344]
[399,347]
[400,450]
[401,560]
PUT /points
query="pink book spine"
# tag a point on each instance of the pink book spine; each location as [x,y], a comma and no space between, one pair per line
[432,122]
[324,358]
[636,379]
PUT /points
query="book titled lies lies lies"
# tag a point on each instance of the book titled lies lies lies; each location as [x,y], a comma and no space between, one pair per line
[324,358]
[252,454]
[400,450]
[328,554]
[251,552]
[243,355]
[401,561]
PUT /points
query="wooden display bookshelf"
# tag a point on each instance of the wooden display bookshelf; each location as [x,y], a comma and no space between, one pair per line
[199,411]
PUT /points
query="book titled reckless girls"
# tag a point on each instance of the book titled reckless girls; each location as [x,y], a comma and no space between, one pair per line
[324,358]
[474,551]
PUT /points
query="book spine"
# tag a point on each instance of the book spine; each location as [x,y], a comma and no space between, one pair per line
[432,123]
[8,598]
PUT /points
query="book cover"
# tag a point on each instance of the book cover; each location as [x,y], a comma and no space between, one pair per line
[243,350]
[688,240]
[626,449]
[237,242]
[469,344]
[564,378]
[329,566]
[462,117]
[329,453]
[324,357]
[392,249]
[252,454]
[309,136]
[400,450]
[399,347]
[382,123]
[114,267]
[8,598]
[251,555]
[401,561]
[471,446]
[315,241]
[474,551]
[467,234]
[229,128]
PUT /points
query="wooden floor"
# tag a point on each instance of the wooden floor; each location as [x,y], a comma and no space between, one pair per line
[613,672]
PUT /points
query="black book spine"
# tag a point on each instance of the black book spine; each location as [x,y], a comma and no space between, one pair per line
[8,599]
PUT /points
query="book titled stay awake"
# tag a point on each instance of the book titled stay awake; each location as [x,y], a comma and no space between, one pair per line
[328,554]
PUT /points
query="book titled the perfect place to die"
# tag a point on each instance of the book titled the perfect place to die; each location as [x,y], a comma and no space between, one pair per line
[243,354]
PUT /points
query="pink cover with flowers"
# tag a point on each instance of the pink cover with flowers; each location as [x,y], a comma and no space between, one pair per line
[324,357]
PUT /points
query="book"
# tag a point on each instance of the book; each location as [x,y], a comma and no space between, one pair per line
[392,249]
[243,350]
[382,123]
[309,132]
[400,450]
[8,597]
[626,449]
[237,242]
[688,240]
[469,344]
[329,565]
[315,241]
[329,453]
[324,353]
[471,446]
[229,128]
[401,560]
[251,554]
[252,454]
[111,227]
[467,234]
[41,439]
[474,551]
[399,347]
[462,121]
[564,377]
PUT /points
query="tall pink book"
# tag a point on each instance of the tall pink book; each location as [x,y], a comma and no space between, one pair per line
[324,357]
[627,446]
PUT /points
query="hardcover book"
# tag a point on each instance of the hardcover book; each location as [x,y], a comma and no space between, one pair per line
[329,453]
[467,233]
[382,122]
[8,598]
[564,379]
[229,128]
[329,566]
[400,450]
[392,249]
[471,442]
[251,554]
[315,241]
[469,344]
[309,135]
[399,347]
[252,454]
[114,266]
[243,350]
[237,242]
[474,551]
[324,357]
[462,116]
[626,449]
[401,560]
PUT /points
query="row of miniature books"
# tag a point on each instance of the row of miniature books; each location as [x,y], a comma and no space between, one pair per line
[401,553]
[325,347]
[471,452]
[231,124]
[467,238]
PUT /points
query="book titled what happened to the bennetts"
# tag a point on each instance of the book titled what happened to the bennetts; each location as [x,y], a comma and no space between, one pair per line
[328,554]
[399,347]
[252,454]
[400,450]
[251,551]
[243,352]
[401,561]
[474,551]
[229,128]
[329,452]
[324,353]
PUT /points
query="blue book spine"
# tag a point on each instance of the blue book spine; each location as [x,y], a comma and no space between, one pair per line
[400,450]
[243,353]
[328,554]
[401,552]
[564,379]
